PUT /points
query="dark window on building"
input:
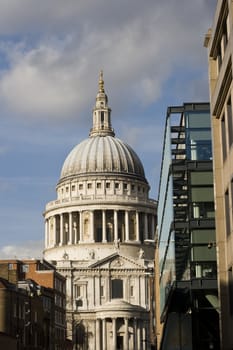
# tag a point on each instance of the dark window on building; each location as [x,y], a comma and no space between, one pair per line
[117,289]
[98,185]
[227,211]
[79,303]
[107,184]
[230,284]
[102,117]
[230,122]
[223,132]
[117,185]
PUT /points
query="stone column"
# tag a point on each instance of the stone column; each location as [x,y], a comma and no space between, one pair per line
[81,226]
[104,233]
[137,227]
[139,335]
[145,226]
[115,226]
[97,334]
[104,335]
[152,227]
[126,225]
[47,234]
[126,337]
[55,230]
[114,334]
[70,241]
[144,344]
[61,230]
[92,226]
[75,232]
[135,339]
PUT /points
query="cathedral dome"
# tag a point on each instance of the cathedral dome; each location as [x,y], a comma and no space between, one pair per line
[102,152]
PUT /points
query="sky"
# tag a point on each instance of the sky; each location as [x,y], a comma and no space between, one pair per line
[51,53]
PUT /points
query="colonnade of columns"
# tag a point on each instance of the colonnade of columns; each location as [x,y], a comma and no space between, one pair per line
[98,226]
[110,334]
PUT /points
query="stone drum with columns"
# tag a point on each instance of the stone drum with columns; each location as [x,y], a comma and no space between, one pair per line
[99,233]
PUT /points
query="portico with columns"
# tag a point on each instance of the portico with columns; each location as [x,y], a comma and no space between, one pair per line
[100,225]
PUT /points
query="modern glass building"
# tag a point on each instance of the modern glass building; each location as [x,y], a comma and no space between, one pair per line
[186,232]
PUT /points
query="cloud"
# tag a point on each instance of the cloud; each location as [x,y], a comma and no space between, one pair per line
[25,250]
[139,48]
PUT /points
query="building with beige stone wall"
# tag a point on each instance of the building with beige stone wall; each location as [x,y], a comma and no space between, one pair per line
[219,41]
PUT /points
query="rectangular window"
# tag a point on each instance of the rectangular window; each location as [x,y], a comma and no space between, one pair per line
[202,178]
[117,289]
[131,291]
[125,186]
[229,122]
[107,184]
[98,185]
[89,185]
[232,200]
[10,266]
[223,133]
[117,185]
[25,268]
[227,211]
[80,186]
[202,194]
[77,291]
[102,291]
[73,187]
[230,286]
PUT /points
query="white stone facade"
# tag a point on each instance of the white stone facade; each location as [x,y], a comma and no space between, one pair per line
[100,235]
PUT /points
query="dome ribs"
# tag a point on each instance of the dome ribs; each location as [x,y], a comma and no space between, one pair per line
[102,154]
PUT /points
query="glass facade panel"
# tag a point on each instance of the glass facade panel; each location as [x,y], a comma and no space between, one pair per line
[201,178]
[198,136]
[203,253]
[202,236]
[202,194]
[197,120]
[168,273]
[199,145]
[165,173]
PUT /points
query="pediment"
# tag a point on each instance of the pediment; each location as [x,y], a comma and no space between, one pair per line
[116,261]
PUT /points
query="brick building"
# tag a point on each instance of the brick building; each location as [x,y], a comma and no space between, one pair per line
[32,308]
